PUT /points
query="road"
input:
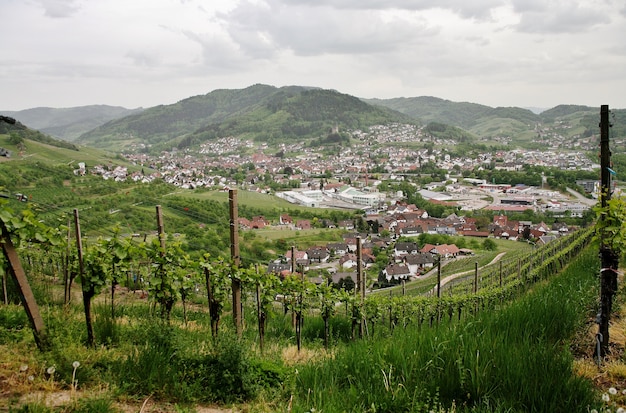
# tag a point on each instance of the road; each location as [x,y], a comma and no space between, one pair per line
[581,198]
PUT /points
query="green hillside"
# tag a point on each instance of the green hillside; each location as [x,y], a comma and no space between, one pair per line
[259,112]
[17,132]
[69,123]
[431,109]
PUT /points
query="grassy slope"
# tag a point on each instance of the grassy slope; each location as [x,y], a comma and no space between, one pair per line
[511,360]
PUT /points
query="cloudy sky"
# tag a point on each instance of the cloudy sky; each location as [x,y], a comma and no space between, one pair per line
[131,53]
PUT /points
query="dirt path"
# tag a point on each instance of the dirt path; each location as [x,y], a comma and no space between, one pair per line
[449,278]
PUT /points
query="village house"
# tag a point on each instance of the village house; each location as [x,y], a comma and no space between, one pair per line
[285,219]
[337,248]
[403,248]
[300,255]
[418,263]
[396,272]
[303,224]
[443,250]
[318,254]
[348,261]
[346,280]
[259,222]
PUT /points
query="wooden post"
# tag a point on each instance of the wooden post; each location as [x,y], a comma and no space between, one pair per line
[293,273]
[259,312]
[360,281]
[359,273]
[87,293]
[476,277]
[234,254]
[26,293]
[5,294]
[439,277]
[500,274]
[160,229]
[608,257]
[66,273]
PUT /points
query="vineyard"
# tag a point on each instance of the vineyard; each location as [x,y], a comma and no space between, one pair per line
[156,323]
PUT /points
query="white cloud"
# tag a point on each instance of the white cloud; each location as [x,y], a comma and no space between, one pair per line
[149,52]
[59,8]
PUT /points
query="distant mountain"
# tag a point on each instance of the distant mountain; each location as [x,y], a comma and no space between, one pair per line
[431,109]
[296,113]
[69,123]
[18,132]
[519,124]
[261,112]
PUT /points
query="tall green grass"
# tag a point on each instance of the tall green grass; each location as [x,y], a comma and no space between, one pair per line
[513,360]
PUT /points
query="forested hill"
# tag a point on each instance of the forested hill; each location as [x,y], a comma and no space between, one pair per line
[69,123]
[431,109]
[261,112]
[516,123]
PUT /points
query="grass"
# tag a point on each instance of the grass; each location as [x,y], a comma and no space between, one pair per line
[39,152]
[512,360]
[253,199]
[499,359]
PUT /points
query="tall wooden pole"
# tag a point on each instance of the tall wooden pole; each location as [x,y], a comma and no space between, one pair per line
[476,277]
[88,292]
[26,293]
[160,228]
[67,277]
[608,257]
[360,280]
[234,254]
[439,277]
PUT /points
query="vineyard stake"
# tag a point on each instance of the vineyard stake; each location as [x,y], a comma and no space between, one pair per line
[609,258]
[26,293]
[234,254]
[87,295]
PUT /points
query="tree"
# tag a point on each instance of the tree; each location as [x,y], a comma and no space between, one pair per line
[489,245]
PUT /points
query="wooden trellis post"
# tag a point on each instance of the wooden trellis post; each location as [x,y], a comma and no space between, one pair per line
[26,293]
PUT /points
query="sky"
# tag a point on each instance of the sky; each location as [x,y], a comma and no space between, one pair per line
[144,53]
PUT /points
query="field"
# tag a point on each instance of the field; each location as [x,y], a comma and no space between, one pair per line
[512,355]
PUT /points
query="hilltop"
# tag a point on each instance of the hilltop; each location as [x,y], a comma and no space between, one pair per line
[260,112]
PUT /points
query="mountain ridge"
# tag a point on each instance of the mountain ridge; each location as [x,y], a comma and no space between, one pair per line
[271,114]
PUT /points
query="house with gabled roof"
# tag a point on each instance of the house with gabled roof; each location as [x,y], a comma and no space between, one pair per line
[278,268]
[417,263]
[403,248]
[337,248]
[318,254]
[544,239]
[300,255]
[500,220]
[285,219]
[259,222]
[409,230]
[303,224]
[244,223]
[396,272]
[443,250]
[348,261]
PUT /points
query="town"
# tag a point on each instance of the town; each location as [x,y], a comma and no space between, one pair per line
[357,177]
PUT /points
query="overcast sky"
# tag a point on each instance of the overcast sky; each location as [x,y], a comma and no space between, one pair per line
[132,53]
